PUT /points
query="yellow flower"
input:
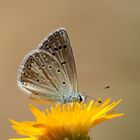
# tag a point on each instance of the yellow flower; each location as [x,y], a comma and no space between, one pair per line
[66,122]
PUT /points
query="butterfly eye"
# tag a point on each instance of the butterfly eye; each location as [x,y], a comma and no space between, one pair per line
[80,98]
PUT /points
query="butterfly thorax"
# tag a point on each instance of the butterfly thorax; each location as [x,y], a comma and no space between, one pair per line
[73,97]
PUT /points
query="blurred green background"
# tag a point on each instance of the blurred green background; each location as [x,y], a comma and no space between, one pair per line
[105,36]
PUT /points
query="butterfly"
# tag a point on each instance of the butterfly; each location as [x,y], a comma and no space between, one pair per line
[48,72]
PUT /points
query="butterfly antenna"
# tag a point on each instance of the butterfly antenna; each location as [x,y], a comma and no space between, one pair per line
[96,89]
[99,101]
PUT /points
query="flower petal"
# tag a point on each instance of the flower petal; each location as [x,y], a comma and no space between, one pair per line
[65,120]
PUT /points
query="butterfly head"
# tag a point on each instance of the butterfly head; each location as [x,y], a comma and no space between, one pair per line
[82,98]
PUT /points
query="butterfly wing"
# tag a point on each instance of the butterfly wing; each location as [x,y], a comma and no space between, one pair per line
[49,71]
[58,44]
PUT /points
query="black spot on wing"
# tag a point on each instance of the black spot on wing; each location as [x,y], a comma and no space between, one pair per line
[60,47]
[50,67]
[65,46]
[53,53]
[63,82]
[55,49]
[64,62]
